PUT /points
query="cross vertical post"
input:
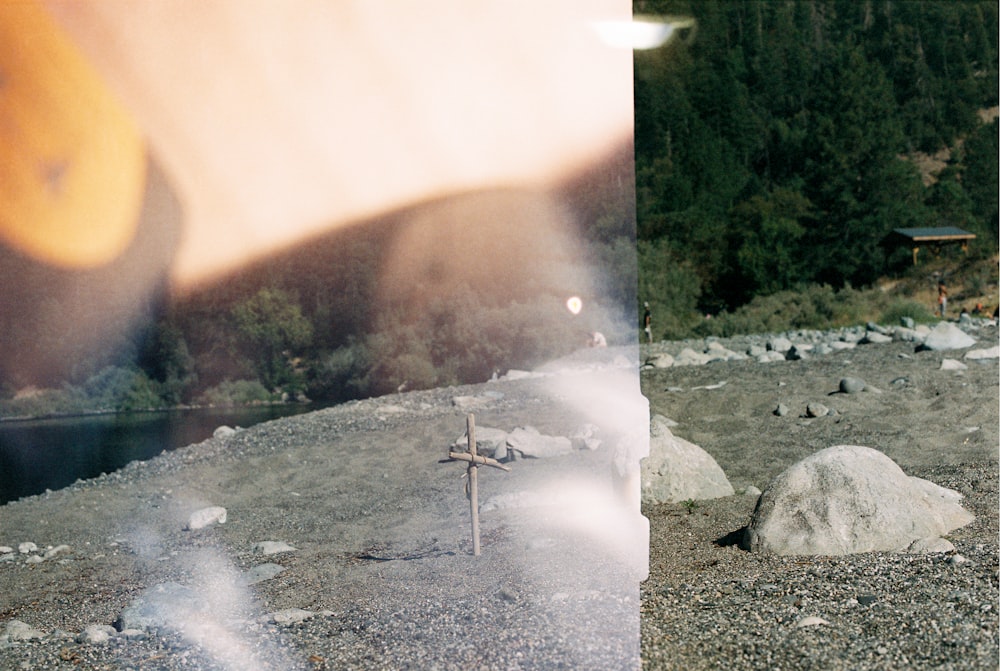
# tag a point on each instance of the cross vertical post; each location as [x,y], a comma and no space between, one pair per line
[475,460]
[473,483]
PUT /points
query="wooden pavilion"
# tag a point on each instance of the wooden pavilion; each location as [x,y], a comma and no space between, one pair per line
[935,238]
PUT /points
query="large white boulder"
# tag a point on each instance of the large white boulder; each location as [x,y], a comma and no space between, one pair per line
[947,336]
[847,499]
[677,470]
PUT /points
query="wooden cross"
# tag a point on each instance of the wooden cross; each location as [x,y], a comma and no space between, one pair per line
[475,461]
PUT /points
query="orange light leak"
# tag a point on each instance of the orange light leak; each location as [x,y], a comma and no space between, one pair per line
[574,304]
[73,164]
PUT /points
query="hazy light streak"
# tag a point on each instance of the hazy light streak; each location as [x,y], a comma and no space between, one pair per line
[636,34]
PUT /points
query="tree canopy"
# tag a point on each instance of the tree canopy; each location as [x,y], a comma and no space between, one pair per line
[777,143]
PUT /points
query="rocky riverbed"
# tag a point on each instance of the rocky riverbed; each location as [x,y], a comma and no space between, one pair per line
[708,603]
[346,541]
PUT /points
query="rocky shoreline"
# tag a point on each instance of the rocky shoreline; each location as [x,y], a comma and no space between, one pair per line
[380,575]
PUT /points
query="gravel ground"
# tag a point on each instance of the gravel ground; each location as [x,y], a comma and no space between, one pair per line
[382,571]
[708,604]
[382,559]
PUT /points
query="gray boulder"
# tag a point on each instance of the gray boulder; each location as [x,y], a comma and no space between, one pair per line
[848,499]
[817,410]
[677,470]
[851,385]
[489,442]
[946,336]
[527,441]
[779,344]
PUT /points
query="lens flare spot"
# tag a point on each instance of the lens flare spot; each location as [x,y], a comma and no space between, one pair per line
[574,304]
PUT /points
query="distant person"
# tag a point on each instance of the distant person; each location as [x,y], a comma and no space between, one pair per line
[978,309]
[942,299]
[647,323]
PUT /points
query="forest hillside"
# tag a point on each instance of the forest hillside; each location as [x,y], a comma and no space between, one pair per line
[779,143]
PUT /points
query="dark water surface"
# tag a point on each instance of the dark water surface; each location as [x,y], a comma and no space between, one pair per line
[36,455]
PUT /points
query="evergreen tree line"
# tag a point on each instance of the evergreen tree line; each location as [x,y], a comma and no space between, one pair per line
[779,143]
[326,322]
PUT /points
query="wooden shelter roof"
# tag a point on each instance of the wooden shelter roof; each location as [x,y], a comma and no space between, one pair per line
[934,234]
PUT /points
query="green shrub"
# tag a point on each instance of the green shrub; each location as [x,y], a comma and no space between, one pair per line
[44,403]
[671,286]
[237,392]
[812,307]
[115,388]
[901,308]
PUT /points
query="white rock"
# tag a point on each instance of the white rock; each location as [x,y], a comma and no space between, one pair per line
[25,548]
[847,499]
[16,630]
[261,573]
[930,545]
[779,344]
[96,634]
[4,549]
[272,547]
[223,432]
[52,552]
[490,442]
[688,357]
[290,616]
[904,334]
[531,443]
[34,559]
[875,338]
[817,410]
[947,336]
[677,470]
[200,519]
[979,354]
[662,360]
[810,621]
[952,364]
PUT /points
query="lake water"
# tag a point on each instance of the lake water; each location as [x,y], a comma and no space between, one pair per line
[42,454]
